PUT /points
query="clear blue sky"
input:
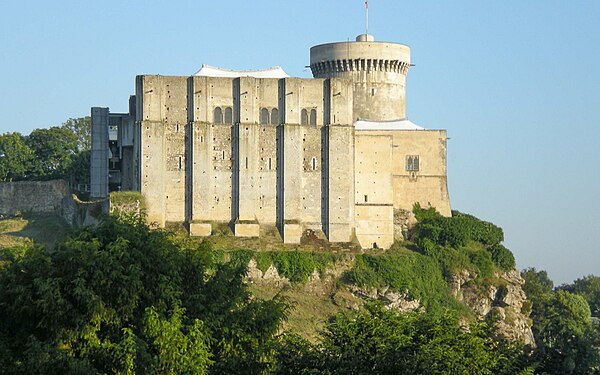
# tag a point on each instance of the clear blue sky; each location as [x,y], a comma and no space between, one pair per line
[515,83]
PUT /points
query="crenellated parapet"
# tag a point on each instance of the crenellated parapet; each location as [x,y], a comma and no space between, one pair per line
[333,68]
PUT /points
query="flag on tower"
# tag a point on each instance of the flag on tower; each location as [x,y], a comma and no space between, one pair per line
[367,4]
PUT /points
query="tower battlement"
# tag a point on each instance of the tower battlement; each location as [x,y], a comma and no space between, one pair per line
[377,69]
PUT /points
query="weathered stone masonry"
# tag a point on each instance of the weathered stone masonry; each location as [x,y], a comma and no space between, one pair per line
[334,153]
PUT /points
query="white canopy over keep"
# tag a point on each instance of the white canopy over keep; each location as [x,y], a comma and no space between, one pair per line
[404,124]
[213,71]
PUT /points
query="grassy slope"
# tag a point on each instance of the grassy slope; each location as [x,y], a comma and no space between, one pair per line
[43,229]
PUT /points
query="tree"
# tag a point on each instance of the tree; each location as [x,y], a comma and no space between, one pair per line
[538,285]
[383,341]
[567,342]
[589,288]
[54,150]
[82,128]
[15,157]
[121,298]
[79,169]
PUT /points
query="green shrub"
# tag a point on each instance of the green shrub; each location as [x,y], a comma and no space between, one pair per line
[483,261]
[502,257]
[455,231]
[418,275]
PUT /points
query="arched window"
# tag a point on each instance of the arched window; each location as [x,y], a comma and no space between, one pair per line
[218,116]
[274,116]
[228,115]
[264,116]
[313,117]
[304,117]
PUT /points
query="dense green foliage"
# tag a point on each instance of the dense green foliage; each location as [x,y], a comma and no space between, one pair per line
[455,231]
[120,298]
[54,149]
[438,236]
[382,341]
[16,157]
[57,152]
[589,288]
[567,341]
[82,128]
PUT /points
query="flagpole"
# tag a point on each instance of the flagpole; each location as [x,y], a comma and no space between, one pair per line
[367,15]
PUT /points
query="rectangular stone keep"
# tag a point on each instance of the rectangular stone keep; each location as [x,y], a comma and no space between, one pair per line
[200,229]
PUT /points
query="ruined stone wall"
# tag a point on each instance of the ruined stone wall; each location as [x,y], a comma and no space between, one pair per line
[44,197]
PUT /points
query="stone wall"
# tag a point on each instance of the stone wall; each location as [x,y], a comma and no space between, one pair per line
[40,197]
[50,198]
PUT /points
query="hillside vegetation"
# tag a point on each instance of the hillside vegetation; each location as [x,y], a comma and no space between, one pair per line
[123,298]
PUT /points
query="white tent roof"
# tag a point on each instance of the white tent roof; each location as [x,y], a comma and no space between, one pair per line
[403,124]
[212,71]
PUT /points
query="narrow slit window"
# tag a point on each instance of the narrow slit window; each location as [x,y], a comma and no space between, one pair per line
[246,163]
[366,199]
[314,164]
[269,163]
[180,163]
[223,154]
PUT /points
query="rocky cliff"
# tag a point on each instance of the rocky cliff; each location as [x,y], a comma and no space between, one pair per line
[499,300]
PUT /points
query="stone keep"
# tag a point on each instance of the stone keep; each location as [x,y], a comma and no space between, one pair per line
[258,149]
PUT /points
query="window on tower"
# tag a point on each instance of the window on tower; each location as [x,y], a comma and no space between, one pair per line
[412,163]
[228,115]
[264,116]
[218,117]
[313,117]
[304,117]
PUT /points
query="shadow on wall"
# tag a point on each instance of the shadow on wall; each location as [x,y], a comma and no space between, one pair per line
[49,198]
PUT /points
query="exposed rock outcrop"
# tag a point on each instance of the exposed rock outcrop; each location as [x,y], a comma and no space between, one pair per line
[502,302]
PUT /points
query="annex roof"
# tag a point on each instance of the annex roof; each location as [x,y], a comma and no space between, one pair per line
[404,124]
[213,71]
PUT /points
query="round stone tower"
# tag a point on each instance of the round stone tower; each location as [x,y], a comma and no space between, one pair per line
[378,70]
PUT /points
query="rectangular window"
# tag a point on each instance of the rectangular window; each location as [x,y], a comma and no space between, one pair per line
[412,163]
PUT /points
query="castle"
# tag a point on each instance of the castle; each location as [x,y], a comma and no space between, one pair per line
[255,149]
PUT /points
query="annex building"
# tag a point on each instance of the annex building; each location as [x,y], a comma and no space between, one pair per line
[257,149]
